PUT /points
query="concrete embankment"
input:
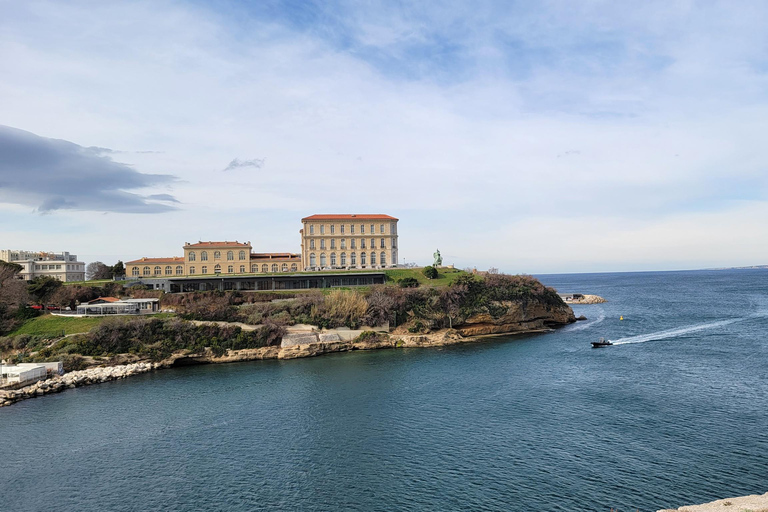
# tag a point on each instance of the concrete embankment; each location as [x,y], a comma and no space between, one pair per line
[752,503]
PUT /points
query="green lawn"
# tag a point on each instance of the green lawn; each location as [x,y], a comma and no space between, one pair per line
[95,282]
[52,326]
[445,276]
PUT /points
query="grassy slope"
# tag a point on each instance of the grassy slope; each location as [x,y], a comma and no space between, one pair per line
[445,276]
[51,326]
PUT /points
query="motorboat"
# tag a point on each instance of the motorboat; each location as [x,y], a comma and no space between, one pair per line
[602,342]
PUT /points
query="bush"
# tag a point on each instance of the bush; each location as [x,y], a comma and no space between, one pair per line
[408,282]
[73,362]
[430,272]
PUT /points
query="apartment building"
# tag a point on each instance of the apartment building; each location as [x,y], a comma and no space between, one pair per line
[62,266]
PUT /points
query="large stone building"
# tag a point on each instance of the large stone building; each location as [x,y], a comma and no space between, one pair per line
[348,241]
[214,258]
[62,266]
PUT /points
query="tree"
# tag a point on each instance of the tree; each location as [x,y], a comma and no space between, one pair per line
[42,288]
[13,291]
[430,272]
[98,270]
[118,269]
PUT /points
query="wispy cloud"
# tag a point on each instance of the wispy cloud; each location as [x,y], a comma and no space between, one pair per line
[256,163]
[51,174]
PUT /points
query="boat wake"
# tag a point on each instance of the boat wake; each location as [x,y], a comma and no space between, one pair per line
[586,325]
[674,333]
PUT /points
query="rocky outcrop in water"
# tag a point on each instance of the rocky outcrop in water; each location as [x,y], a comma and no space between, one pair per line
[752,503]
[518,318]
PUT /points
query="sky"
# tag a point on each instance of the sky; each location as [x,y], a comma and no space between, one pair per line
[530,136]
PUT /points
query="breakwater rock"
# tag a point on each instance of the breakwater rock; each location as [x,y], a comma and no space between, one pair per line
[584,299]
[752,503]
[73,380]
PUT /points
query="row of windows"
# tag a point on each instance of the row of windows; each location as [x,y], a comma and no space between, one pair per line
[342,228]
[216,255]
[158,271]
[352,243]
[342,261]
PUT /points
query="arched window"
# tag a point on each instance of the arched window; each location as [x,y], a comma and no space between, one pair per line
[191,255]
[231,269]
[203,255]
[284,268]
[241,255]
[312,260]
[274,267]
[242,269]
[216,255]
[135,271]
[230,256]
[204,269]
[353,259]
[362,259]
[373,258]
[333,259]
[383,259]
[294,268]
[265,268]
[179,270]
[145,271]
[254,268]
[217,269]
[323,262]
[191,270]
[343,259]
[168,270]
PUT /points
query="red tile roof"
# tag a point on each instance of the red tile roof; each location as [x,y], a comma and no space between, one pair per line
[174,259]
[219,244]
[352,216]
[103,299]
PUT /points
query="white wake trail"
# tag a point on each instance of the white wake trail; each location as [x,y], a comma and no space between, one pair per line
[586,325]
[673,333]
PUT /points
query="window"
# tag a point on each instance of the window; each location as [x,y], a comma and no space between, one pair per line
[373,258]
[217,269]
[204,256]
[373,243]
[362,229]
[372,229]
[333,243]
[284,268]
[342,229]
[311,229]
[312,260]
[191,270]
[343,243]
[230,256]
[394,243]
[382,259]
[191,255]
[323,262]
[353,259]
[265,268]
[254,268]
[241,255]
[322,244]
[217,255]
[294,268]
[362,259]
[230,269]
[312,244]
[322,229]
[362,243]
[135,271]
[333,259]
[145,271]
[242,269]
[351,229]
[168,271]
[382,244]
[179,270]
[381,229]
[333,228]
[204,269]
[274,267]
[352,244]
[343,259]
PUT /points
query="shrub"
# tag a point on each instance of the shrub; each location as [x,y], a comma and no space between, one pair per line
[73,362]
[430,272]
[408,282]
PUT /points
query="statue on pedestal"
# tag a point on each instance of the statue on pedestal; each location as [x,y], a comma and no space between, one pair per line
[438,259]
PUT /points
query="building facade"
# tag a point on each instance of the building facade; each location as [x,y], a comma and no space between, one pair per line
[348,241]
[62,266]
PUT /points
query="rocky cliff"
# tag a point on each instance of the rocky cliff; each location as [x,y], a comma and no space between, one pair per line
[520,317]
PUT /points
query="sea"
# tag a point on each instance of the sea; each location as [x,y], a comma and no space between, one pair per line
[674,413]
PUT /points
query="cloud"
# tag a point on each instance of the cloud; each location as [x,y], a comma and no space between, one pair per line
[256,163]
[53,174]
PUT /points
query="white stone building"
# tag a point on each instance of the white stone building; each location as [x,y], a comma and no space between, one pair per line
[62,266]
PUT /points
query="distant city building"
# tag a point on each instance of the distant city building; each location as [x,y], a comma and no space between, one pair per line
[62,266]
[348,241]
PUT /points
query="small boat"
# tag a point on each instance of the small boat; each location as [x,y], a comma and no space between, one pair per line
[602,342]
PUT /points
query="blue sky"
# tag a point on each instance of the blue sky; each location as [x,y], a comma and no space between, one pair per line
[552,136]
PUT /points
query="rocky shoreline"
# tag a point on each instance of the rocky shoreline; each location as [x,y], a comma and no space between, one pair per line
[751,503]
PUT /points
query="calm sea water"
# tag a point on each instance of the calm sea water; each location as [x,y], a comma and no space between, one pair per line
[675,413]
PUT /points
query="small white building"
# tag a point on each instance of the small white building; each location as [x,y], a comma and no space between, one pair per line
[62,266]
[121,307]
[23,373]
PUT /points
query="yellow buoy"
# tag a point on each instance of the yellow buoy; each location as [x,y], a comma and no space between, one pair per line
[621,317]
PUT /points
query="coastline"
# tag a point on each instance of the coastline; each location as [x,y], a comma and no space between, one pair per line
[751,503]
[367,341]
